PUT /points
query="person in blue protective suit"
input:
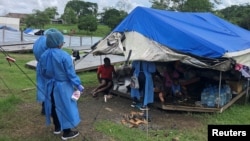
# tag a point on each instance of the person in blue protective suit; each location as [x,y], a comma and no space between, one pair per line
[38,49]
[145,94]
[61,81]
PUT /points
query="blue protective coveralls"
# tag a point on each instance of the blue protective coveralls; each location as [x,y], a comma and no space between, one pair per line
[148,68]
[56,66]
[39,48]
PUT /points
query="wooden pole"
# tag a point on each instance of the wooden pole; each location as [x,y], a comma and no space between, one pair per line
[3,34]
[21,35]
[80,40]
[247,94]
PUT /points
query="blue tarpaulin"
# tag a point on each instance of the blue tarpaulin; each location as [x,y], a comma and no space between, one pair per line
[7,28]
[201,39]
[27,30]
[199,34]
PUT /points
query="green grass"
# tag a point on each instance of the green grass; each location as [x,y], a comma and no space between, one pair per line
[238,114]
[101,31]
[17,90]
[123,133]
[12,75]
[8,104]
[15,78]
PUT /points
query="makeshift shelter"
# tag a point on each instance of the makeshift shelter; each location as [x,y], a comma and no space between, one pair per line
[194,38]
[199,39]
[31,31]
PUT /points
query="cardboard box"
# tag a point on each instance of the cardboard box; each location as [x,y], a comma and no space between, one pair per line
[236,86]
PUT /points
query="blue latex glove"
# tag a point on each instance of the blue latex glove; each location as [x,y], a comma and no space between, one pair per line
[80,88]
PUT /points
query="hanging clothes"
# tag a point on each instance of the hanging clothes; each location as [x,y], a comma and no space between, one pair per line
[147,91]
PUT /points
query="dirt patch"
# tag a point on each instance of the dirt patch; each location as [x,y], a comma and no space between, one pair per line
[31,124]
[95,109]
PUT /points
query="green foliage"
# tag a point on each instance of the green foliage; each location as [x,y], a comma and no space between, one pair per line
[42,19]
[38,20]
[236,14]
[183,5]
[239,15]
[88,23]
[197,6]
[162,4]
[112,17]
[69,16]
[51,12]
[102,30]
[82,8]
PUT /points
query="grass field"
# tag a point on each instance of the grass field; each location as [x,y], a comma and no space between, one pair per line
[101,31]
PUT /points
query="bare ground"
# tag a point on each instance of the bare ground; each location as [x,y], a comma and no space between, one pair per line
[93,110]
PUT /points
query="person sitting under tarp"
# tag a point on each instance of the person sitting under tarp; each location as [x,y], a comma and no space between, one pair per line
[76,54]
[179,92]
[159,86]
[105,75]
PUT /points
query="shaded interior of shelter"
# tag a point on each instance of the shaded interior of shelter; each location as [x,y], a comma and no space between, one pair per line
[195,86]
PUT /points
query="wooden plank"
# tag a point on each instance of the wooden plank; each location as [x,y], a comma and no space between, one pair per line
[189,109]
[237,97]
[18,48]
[176,107]
[16,43]
[89,62]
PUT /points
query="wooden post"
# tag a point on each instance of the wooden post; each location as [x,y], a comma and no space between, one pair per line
[80,40]
[219,101]
[3,35]
[21,35]
[69,41]
[247,92]
[91,39]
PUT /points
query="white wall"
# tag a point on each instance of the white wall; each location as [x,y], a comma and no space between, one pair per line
[11,22]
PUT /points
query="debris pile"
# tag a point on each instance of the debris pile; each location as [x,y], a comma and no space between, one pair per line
[134,119]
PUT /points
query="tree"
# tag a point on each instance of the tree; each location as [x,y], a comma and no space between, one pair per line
[112,17]
[51,12]
[197,6]
[38,20]
[237,14]
[69,16]
[167,4]
[30,20]
[184,5]
[82,8]
[88,23]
